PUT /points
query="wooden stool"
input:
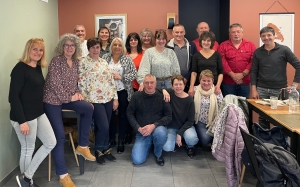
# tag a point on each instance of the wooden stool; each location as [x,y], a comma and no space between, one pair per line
[68,130]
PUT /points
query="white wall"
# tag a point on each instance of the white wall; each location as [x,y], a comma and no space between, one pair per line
[20,20]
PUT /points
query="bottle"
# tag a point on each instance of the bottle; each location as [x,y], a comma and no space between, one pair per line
[293,99]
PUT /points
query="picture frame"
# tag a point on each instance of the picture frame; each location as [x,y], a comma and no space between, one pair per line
[283,25]
[117,23]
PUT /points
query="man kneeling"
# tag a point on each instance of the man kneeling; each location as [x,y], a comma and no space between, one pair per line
[148,114]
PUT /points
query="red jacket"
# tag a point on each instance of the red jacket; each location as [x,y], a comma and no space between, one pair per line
[196,42]
[236,60]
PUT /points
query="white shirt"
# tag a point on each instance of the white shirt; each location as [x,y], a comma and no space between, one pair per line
[84,49]
[117,69]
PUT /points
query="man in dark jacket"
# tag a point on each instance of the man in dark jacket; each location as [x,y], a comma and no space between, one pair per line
[148,114]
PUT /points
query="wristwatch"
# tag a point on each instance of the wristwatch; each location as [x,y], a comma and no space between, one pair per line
[244,74]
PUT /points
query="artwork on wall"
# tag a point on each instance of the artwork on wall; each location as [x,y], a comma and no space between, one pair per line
[117,23]
[283,25]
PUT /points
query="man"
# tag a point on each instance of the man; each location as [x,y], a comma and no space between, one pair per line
[268,73]
[237,54]
[184,51]
[148,114]
[203,26]
[79,30]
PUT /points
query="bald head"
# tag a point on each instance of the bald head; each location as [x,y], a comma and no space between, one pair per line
[202,26]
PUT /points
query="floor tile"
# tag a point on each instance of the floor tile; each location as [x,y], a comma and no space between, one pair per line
[194,180]
[111,179]
[151,179]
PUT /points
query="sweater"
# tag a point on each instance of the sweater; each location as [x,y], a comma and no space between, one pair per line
[26,93]
[269,67]
[144,109]
[183,112]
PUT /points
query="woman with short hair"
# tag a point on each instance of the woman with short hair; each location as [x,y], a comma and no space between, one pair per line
[147,40]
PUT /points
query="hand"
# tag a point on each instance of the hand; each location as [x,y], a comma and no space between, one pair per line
[185,81]
[166,95]
[148,129]
[142,130]
[24,128]
[254,94]
[178,140]
[217,90]
[239,76]
[115,104]
[141,88]
[80,97]
[191,91]
[75,97]
[117,76]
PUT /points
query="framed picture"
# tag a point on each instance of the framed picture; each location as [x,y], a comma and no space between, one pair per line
[283,25]
[117,24]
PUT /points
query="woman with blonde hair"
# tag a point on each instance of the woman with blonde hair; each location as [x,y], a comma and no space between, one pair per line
[124,73]
[147,40]
[207,104]
[61,92]
[27,114]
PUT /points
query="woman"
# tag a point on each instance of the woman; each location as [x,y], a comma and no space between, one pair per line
[27,114]
[160,62]
[97,86]
[124,73]
[61,92]
[146,36]
[104,35]
[183,113]
[135,51]
[207,104]
[207,58]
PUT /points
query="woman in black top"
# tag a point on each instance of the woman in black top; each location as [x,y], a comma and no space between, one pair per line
[207,58]
[27,114]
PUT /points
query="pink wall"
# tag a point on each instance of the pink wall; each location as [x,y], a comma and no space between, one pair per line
[140,13]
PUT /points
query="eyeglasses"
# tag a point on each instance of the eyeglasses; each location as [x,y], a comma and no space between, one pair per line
[69,46]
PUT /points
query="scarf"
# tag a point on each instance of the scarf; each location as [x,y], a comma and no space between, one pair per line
[213,104]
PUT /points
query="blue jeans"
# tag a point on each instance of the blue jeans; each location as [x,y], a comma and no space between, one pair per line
[237,89]
[190,137]
[265,93]
[164,84]
[123,121]
[204,138]
[142,144]
[39,127]
[102,116]
[54,115]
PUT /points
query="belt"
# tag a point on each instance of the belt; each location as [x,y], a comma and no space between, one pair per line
[163,79]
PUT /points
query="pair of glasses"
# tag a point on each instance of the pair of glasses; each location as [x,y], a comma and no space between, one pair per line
[69,46]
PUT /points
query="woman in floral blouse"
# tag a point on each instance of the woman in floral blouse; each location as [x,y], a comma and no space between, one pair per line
[124,73]
[97,86]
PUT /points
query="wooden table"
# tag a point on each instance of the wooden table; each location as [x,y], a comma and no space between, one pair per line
[290,123]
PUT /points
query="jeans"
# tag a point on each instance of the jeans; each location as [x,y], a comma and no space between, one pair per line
[123,121]
[54,115]
[142,144]
[190,137]
[204,138]
[41,128]
[164,84]
[102,116]
[265,93]
[237,89]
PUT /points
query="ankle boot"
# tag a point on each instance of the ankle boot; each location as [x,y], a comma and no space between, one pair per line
[121,146]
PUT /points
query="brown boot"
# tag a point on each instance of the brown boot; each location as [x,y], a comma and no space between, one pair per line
[85,152]
[67,181]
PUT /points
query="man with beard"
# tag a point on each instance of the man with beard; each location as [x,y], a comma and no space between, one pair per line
[268,73]
[79,30]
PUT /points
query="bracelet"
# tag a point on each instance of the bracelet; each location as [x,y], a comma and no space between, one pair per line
[244,74]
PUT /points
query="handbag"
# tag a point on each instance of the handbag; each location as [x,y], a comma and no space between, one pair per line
[273,136]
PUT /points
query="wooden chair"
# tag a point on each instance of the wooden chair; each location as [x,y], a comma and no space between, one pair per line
[68,130]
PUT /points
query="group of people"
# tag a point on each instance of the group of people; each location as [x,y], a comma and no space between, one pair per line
[165,91]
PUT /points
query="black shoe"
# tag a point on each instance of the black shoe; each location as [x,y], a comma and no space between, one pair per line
[121,146]
[100,157]
[112,143]
[108,155]
[191,152]
[22,183]
[160,161]
[128,139]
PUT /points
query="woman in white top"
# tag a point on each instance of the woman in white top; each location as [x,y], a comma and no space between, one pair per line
[124,73]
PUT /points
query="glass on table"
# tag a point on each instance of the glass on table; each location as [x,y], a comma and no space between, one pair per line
[273,102]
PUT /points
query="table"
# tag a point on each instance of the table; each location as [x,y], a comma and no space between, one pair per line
[290,123]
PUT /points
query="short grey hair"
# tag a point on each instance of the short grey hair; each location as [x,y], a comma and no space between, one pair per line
[235,25]
[79,25]
[149,75]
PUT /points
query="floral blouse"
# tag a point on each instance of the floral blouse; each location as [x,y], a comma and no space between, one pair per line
[204,107]
[117,69]
[96,81]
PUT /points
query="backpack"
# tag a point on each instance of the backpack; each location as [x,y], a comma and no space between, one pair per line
[278,167]
[272,136]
